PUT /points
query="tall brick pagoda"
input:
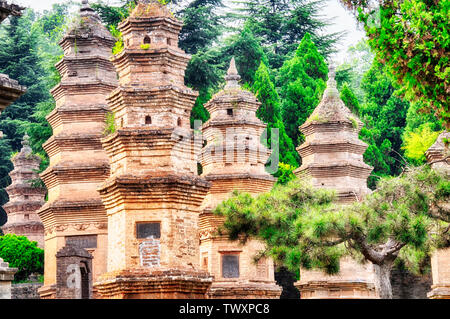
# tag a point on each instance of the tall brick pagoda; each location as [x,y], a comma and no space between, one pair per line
[234,159]
[332,156]
[24,199]
[74,214]
[154,193]
[438,157]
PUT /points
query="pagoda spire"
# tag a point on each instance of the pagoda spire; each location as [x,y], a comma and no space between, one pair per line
[232,78]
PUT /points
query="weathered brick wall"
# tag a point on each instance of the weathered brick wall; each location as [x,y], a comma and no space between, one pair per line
[26,291]
[408,286]
[149,252]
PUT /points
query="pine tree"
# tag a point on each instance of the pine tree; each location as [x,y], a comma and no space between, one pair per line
[302,82]
[282,24]
[270,113]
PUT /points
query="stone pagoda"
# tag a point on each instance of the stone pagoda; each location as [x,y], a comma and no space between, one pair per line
[24,199]
[154,193]
[332,156]
[438,155]
[74,214]
[234,159]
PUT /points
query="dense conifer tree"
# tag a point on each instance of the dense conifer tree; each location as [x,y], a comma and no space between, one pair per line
[282,24]
[270,113]
[302,82]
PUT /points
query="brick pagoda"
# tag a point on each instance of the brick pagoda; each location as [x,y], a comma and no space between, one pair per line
[74,214]
[438,156]
[24,199]
[154,193]
[332,156]
[234,159]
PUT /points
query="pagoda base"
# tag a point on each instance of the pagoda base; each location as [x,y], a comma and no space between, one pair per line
[153,283]
[236,290]
[439,292]
[336,290]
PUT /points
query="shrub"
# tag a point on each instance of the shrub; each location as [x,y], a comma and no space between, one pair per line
[23,254]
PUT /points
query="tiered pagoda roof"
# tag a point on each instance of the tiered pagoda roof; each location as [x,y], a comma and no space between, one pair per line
[153,180]
[78,164]
[24,198]
[332,153]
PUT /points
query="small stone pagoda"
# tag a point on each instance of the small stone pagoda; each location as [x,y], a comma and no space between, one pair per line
[74,214]
[234,159]
[24,198]
[438,155]
[332,156]
[154,193]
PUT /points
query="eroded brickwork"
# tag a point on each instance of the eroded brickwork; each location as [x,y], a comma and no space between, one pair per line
[78,164]
[233,159]
[153,176]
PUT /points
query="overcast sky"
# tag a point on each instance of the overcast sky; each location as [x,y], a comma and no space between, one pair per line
[344,21]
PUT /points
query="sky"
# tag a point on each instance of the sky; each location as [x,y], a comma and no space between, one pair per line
[343,21]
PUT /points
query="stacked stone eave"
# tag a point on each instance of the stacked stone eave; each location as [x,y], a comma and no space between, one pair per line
[153,169]
[332,154]
[24,198]
[234,159]
[78,164]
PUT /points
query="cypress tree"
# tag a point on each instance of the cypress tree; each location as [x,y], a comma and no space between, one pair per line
[302,82]
[270,113]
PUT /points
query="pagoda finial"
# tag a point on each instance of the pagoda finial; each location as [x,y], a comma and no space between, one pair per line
[26,140]
[26,149]
[232,76]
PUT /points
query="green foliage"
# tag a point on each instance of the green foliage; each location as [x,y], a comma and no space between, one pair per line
[282,24]
[384,116]
[302,82]
[349,99]
[411,38]
[418,141]
[285,173]
[302,227]
[202,25]
[270,113]
[248,53]
[23,254]
[110,127]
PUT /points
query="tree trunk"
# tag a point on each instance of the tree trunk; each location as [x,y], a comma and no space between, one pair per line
[383,280]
